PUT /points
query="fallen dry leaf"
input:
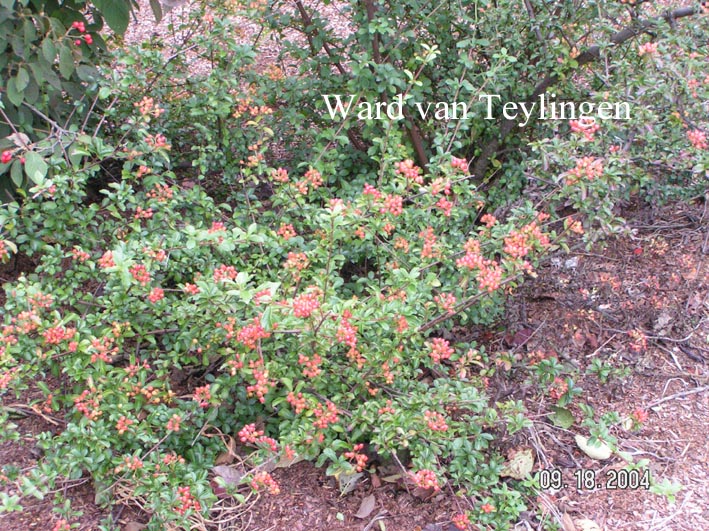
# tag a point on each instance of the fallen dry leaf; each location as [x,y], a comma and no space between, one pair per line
[568,523]
[598,451]
[520,464]
[366,507]
[584,524]
[231,475]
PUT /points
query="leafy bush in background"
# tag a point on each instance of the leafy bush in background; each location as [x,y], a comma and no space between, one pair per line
[49,53]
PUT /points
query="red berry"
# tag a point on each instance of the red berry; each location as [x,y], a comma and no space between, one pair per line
[89,39]
[6,157]
[77,42]
[638,250]
[22,160]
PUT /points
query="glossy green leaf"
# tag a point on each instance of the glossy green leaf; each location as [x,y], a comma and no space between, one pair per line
[66,62]
[35,167]
[16,173]
[15,96]
[49,51]
[22,79]
[157,10]
[116,13]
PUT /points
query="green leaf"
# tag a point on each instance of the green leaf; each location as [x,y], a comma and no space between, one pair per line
[562,417]
[35,167]
[116,13]
[29,488]
[22,79]
[49,51]
[16,173]
[43,73]
[15,96]
[66,62]
[87,72]
[157,9]
[267,318]
[104,93]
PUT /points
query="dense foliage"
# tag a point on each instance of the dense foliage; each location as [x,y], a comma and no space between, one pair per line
[309,306]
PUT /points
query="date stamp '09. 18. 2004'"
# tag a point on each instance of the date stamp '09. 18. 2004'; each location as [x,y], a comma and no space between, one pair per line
[588,479]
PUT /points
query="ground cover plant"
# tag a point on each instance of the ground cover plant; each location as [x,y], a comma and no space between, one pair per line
[226,279]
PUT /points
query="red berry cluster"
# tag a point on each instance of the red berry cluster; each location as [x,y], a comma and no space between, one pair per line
[249,434]
[409,170]
[264,480]
[586,126]
[123,425]
[359,458]
[435,421]
[54,336]
[61,525]
[280,175]
[262,384]
[370,190]
[325,416]
[588,167]
[224,272]
[286,231]
[446,301]
[698,139]
[106,260]
[79,255]
[488,220]
[156,294]
[140,273]
[187,501]
[307,303]
[311,365]
[251,334]
[558,388]
[88,405]
[440,184]
[296,262]
[347,332]
[426,479]
[461,521]
[297,402]
[445,205]
[202,395]
[6,157]
[174,423]
[440,350]
[459,164]
[81,28]
[314,178]
[393,204]
[190,289]
[429,241]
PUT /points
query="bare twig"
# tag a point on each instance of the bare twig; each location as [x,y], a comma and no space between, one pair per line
[678,395]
